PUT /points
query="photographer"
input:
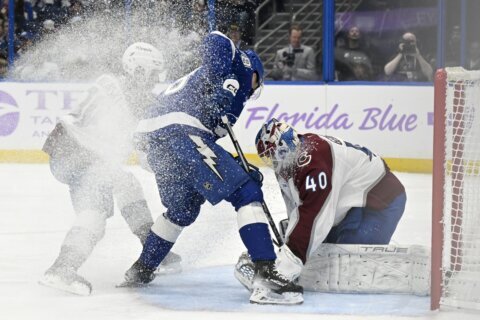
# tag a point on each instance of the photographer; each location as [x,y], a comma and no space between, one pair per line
[408,64]
[295,62]
[351,59]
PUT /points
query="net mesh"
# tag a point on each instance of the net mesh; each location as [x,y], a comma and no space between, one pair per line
[461,248]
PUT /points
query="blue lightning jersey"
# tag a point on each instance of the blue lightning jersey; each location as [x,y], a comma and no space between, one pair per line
[193,99]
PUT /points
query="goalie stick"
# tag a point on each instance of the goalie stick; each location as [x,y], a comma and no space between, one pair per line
[231,134]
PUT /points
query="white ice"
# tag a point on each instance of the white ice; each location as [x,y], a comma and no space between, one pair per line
[36,212]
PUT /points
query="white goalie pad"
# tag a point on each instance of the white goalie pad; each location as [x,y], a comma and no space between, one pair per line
[358,269]
[368,269]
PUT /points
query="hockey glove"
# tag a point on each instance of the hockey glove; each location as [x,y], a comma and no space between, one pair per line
[222,100]
[253,171]
[288,263]
[224,97]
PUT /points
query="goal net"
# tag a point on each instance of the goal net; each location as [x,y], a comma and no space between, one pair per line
[456,190]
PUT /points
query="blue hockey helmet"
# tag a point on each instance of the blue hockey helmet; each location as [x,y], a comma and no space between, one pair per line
[277,143]
[257,67]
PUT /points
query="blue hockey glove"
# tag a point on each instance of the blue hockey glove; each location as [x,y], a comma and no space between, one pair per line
[222,101]
[224,96]
[253,172]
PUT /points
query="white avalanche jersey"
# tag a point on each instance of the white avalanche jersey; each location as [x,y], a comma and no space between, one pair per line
[103,123]
[330,177]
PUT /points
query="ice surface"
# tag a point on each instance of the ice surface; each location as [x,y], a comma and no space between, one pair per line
[36,213]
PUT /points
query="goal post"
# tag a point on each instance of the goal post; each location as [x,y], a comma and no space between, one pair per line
[456,190]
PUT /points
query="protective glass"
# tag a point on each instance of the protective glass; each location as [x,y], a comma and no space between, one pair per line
[256,93]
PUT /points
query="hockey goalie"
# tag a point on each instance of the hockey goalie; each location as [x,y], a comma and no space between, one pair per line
[343,206]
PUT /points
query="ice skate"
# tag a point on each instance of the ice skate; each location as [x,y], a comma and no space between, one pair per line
[245,271]
[66,279]
[270,287]
[138,276]
[170,265]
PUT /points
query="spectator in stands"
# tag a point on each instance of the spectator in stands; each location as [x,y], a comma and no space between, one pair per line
[3,48]
[296,62]
[75,11]
[4,39]
[237,12]
[234,33]
[3,33]
[245,15]
[199,17]
[19,12]
[25,42]
[408,64]
[474,56]
[452,55]
[51,11]
[48,28]
[351,61]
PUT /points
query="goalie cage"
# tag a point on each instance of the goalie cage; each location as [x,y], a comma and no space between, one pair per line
[456,190]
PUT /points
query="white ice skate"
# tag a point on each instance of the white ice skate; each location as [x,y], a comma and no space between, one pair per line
[67,280]
[270,287]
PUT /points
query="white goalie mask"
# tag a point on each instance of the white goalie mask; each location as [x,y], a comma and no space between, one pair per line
[143,62]
[276,144]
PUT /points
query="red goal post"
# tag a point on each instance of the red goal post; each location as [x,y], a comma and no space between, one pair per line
[456,190]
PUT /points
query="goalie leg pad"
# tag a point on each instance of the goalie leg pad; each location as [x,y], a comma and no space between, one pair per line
[368,269]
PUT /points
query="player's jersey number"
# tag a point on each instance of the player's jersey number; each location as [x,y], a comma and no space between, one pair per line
[320,181]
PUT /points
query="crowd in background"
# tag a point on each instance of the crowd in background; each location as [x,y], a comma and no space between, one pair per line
[407,54]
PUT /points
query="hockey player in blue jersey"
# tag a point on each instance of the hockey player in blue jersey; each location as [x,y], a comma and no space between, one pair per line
[179,135]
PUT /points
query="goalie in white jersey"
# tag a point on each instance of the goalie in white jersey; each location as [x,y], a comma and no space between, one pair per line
[336,193]
[88,149]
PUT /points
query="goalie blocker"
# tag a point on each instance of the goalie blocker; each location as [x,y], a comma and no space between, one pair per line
[353,268]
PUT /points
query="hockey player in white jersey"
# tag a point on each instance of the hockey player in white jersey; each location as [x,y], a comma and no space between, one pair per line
[343,206]
[87,150]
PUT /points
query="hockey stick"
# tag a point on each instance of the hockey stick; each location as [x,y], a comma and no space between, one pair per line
[245,166]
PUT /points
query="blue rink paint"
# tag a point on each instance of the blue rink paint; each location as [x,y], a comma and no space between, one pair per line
[216,289]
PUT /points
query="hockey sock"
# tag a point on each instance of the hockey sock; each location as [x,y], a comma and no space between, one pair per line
[154,251]
[138,217]
[70,258]
[256,238]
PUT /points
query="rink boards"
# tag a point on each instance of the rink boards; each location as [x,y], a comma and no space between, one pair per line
[395,122]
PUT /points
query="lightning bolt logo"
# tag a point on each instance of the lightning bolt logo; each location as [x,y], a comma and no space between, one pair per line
[207,153]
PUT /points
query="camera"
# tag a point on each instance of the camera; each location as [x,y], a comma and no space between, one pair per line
[289,57]
[409,47]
